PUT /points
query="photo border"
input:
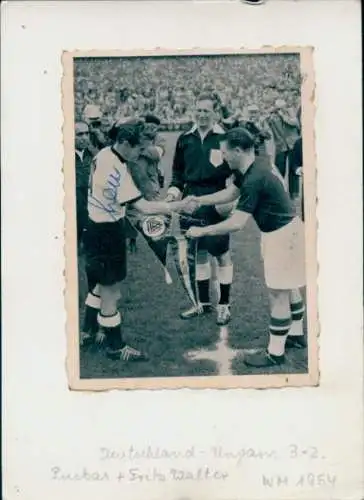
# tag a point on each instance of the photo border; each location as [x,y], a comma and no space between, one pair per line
[263,381]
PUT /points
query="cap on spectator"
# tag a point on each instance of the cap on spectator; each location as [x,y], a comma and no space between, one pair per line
[253,107]
[92,112]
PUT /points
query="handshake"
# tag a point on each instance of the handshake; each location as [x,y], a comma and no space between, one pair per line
[188,205]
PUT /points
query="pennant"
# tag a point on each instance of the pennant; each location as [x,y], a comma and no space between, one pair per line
[165,239]
[184,252]
[155,230]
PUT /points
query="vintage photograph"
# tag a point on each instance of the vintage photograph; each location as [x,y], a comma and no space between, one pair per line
[190,219]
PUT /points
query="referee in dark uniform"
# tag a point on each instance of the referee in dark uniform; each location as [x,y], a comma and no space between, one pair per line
[199,169]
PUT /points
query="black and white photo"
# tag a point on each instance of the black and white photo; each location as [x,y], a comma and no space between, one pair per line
[190,230]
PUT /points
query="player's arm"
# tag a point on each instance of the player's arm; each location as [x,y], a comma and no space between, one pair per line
[226,195]
[248,201]
[130,194]
[157,207]
[234,223]
[178,169]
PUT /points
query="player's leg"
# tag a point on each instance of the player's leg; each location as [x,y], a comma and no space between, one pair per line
[296,336]
[203,276]
[219,247]
[109,320]
[203,268]
[106,258]
[284,270]
[114,271]
[131,234]
[225,278]
[280,322]
[92,307]
[92,303]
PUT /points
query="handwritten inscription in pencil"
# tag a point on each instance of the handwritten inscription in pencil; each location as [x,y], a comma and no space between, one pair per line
[194,464]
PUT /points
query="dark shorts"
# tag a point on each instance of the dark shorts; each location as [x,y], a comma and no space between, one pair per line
[105,250]
[206,216]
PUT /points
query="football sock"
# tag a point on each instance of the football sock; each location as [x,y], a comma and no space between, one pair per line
[278,328]
[203,275]
[225,276]
[297,312]
[111,326]
[92,307]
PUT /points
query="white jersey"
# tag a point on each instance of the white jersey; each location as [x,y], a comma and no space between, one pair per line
[110,187]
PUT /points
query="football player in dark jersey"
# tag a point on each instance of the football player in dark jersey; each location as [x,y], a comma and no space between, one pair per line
[259,188]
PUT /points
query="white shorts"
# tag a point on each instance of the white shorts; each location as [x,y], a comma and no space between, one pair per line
[283,253]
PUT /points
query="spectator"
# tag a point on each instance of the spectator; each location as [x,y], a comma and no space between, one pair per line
[259,130]
[146,173]
[297,171]
[93,117]
[285,129]
[156,85]
[83,158]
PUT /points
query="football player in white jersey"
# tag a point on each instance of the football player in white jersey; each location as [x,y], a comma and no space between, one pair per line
[111,189]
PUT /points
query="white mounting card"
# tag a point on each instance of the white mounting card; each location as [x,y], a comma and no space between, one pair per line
[204,444]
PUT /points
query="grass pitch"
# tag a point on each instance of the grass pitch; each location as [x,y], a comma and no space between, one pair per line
[150,311]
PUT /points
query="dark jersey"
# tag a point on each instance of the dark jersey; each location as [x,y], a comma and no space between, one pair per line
[262,194]
[297,157]
[198,164]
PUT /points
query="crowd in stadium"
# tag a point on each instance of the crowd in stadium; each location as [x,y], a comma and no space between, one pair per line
[167,87]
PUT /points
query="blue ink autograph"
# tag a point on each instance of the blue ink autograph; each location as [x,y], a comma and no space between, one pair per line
[110,194]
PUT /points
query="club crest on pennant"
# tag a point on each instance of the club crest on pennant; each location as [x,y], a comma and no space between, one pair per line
[154,226]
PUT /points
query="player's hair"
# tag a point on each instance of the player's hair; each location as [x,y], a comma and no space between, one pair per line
[129,131]
[149,118]
[239,137]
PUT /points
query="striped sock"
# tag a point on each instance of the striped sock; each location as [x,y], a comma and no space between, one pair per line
[297,312]
[278,328]
[111,327]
